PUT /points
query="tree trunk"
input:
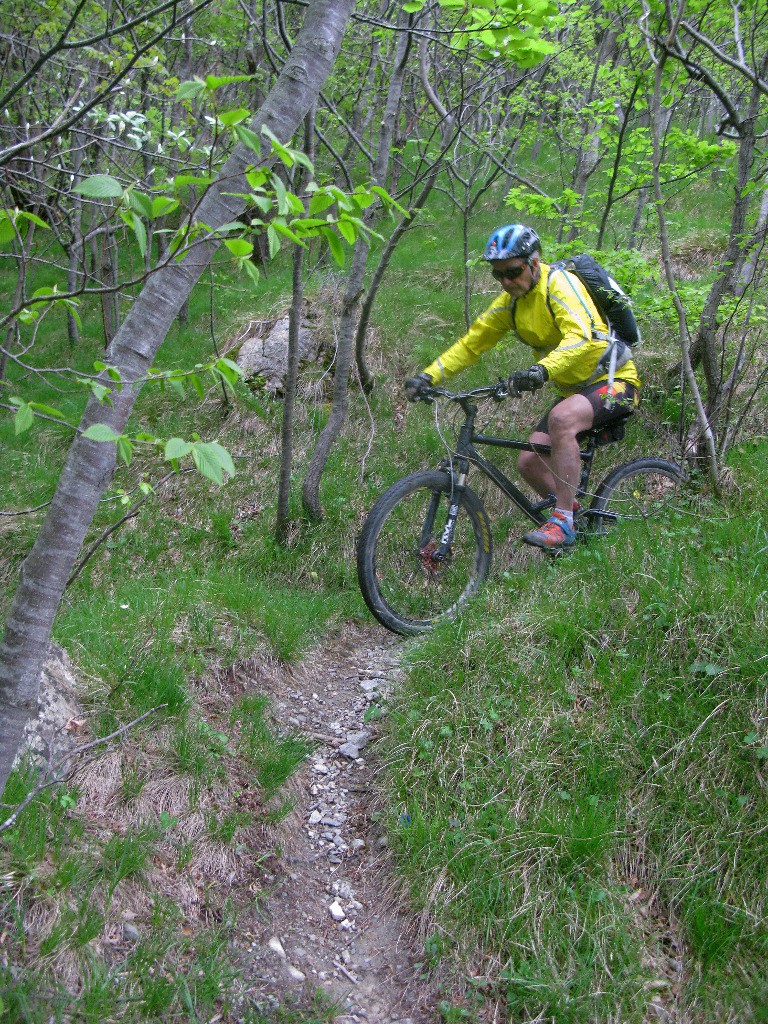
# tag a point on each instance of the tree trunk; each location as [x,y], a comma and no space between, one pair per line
[292,371]
[354,289]
[90,465]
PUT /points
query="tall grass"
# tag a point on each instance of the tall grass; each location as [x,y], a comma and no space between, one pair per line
[591,728]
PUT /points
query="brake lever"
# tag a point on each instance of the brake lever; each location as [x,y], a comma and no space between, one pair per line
[501,391]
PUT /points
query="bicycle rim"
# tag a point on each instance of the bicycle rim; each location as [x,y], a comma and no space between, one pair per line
[405,588]
[636,491]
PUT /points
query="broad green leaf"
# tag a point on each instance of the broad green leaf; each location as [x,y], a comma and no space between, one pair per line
[99,391]
[282,228]
[23,215]
[100,186]
[319,202]
[136,224]
[208,459]
[197,384]
[233,117]
[280,192]
[125,450]
[191,179]
[248,138]
[232,225]
[264,203]
[100,432]
[228,368]
[48,410]
[7,230]
[214,82]
[251,270]
[273,240]
[163,205]
[347,230]
[189,90]
[257,177]
[334,244]
[23,419]
[239,247]
[177,448]
[139,202]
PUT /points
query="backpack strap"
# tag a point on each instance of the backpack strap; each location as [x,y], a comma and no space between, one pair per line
[616,353]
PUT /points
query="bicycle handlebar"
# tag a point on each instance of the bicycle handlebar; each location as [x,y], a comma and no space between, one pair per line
[498,392]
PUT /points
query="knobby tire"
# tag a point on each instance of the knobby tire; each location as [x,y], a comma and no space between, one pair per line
[404,589]
[635,491]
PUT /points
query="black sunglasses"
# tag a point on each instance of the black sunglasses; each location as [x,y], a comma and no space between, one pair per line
[509,274]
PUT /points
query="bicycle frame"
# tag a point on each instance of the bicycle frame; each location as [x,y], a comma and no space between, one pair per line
[466,454]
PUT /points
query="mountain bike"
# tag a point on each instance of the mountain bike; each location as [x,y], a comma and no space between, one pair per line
[426,545]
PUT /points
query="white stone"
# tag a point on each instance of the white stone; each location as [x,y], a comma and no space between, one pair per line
[277,947]
[336,911]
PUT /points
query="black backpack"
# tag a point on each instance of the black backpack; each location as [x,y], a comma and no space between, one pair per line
[613,305]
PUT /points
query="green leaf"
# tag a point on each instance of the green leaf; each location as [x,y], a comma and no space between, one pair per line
[347,230]
[100,432]
[320,201]
[762,753]
[214,82]
[213,461]
[197,384]
[100,186]
[139,229]
[228,369]
[163,205]
[251,270]
[48,410]
[248,137]
[189,90]
[705,668]
[334,244]
[282,228]
[751,737]
[23,419]
[139,202]
[413,7]
[7,230]
[125,450]
[239,247]
[229,118]
[24,215]
[274,241]
[177,448]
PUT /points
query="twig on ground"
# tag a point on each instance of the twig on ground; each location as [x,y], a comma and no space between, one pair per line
[52,778]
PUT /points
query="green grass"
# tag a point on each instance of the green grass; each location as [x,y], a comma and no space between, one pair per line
[589,727]
[601,723]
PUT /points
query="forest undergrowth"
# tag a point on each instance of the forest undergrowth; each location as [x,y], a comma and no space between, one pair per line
[575,767]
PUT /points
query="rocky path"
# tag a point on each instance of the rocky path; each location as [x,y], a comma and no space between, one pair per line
[331,921]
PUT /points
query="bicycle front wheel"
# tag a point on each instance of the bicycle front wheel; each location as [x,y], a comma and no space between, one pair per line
[404,587]
[635,491]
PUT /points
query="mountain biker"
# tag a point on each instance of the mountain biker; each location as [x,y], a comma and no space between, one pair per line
[550,310]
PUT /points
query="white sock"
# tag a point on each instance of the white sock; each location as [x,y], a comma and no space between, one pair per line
[566,515]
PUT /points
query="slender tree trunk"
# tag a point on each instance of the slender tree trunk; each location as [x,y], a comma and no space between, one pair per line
[292,372]
[354,289]
[657,113]
[90,465]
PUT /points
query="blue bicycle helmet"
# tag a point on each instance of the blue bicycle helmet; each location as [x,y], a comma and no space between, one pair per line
[512,240]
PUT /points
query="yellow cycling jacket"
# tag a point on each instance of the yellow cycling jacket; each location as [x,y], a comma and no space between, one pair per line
[564,333]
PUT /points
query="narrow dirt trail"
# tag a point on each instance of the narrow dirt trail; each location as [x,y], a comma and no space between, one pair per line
[331,920]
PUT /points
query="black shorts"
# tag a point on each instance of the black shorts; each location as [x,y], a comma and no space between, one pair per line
[625,398]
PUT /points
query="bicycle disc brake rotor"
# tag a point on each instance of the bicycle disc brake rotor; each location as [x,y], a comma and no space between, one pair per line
[432,567]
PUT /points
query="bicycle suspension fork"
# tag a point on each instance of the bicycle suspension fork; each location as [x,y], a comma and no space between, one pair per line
[458,470]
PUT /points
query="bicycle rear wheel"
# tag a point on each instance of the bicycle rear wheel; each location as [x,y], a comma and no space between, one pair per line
[635,491]
[405,589]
